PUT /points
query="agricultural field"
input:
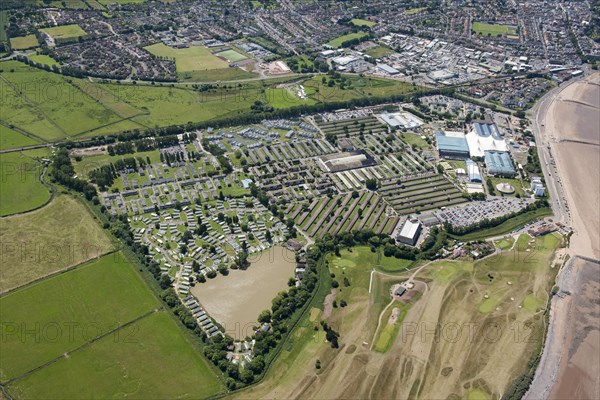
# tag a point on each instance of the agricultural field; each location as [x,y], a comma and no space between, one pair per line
[3,26]
[65,33]
[79,296]
[338,41]
[362,22]
[103,319]
[23,42]
[465,363]
[54,109]
[51,240]
[195,58]
[484,29]
[11,139]
[20,186]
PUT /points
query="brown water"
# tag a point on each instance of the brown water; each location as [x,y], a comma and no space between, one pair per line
[236,300]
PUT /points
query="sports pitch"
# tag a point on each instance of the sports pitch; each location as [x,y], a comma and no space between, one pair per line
[194,58]
[484,29]
[23,42]
[65,33]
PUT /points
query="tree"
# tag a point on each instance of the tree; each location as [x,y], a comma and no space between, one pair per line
[165,281]
[372,184]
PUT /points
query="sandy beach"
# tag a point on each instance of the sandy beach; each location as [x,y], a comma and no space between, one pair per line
[570,364]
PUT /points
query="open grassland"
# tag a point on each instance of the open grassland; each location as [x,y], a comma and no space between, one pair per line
[56,236]
[3,25]
[362,22]
[51,107]
[92,162]
[379,51]
[65,33]
[448,346]
[148,359]
[413,11]
[338,41]
[389,330]
[286,97]
[11,139]
[359,87]
[484,29]
[44,59]
[23,42]
[96,298]
[194,58]
[213,75]
[20,186]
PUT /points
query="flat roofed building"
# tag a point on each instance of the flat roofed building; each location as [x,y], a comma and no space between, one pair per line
[388,69]
[452,145]
[499,163]
[409,234]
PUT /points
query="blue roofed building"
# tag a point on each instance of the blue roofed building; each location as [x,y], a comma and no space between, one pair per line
[499,163]
[452,145]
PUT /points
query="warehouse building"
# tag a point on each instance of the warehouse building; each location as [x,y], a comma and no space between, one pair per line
[410,232]
[452,145]
[388,69]
[498,163]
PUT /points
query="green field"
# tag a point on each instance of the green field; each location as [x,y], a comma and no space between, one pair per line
[337,42]
[379,51]
[362,22]
[65,33]
[413,11]
[286,97]
[20,186]
[48,240]
[44,59]
[484,29]
[90,163]
[98,297]
[23,42]
[3,25]
[54,108]
[149,359]
[195,58]
[388,332]
[11,139]
[232,55]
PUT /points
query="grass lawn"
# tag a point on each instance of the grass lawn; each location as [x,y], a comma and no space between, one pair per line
[388,332]
[481,28]
[65,33]
[212,75]
[416,140]
[362,22]
[20,186]
[95,298]
[11,139]
[194,58]
[23,42]
[286,97]
[44,241]
[413,11]
[379,51]
[516,183]
[148,359]
[44,59]
[393,264]
[3,25]
[337,42]
[232,55]
[90,163]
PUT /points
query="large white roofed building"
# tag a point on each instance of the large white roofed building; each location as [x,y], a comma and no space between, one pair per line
[485,137]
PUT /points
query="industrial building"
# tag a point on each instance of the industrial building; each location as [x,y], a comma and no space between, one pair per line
[498,163]
[473,171]
[452,145]
[485,137]
[388,69]
[401,120]
[410,232]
